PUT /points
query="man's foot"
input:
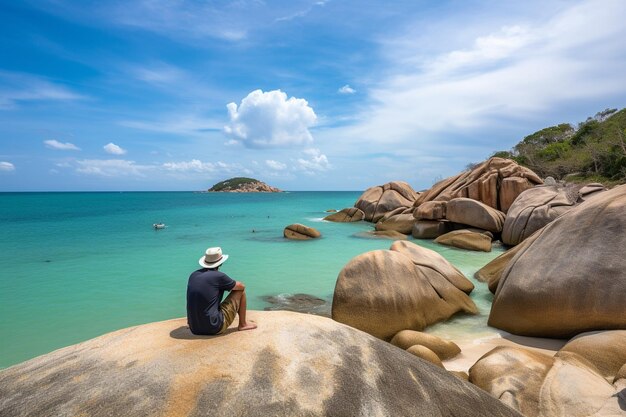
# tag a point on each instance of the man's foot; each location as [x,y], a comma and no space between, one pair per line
[248,326]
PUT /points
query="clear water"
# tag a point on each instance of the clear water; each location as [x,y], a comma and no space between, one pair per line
[76,265]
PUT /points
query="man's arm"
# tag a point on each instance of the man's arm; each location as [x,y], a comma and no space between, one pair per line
[239,286]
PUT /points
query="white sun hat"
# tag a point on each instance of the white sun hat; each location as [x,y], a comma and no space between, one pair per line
[212,258]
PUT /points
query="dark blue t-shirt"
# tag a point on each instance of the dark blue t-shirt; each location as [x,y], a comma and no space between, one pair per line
[204,294]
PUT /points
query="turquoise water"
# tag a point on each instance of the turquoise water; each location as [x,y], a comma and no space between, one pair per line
[76,265]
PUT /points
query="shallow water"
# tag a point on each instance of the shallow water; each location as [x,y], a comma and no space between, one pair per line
[77,265]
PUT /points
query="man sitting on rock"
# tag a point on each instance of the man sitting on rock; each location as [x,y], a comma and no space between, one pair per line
[206,313]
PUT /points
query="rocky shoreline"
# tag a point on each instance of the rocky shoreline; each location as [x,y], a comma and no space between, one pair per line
[558,347]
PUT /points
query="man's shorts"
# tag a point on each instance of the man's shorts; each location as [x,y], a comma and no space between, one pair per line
[229,308]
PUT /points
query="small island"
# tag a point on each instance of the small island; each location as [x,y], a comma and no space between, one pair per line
[242,185]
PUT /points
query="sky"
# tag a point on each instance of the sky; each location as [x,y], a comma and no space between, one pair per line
[155,95]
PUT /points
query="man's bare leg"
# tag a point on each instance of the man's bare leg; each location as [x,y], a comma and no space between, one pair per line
[243,323]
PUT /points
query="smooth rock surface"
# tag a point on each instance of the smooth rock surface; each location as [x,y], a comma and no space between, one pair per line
[381,234]
[431,210]
[538,385]
[301,303]
[347,215]
[382,292]
[572,278]
[379,200]
[292,365]
[474,213]
[466,239]
[402,223]
[426,354]
[605,350]
[430,229]
[299,231]
[444,349]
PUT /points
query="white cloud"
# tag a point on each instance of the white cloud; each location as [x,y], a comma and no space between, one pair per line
[514,72]
[55,144]
[275,165]
[315,163]
[6,166]
[194,165]
[111,167]
[191,125]
[16,87]
[346,89]
[269,119]
[113,149]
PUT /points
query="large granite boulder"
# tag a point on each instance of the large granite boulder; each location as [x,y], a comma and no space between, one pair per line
[383,291]
[467,239]
[430,229]
[402,222]
[299,231]
[538,206]
[444,349]
[496,182]
[474,213]
[572,278]
[431,210]
[379,200]
[538,385]
[292,365]
[605,350]
[347,215]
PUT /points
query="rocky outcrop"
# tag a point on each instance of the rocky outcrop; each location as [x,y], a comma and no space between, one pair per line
[300,303]
[496,182]
[292,365]
[605,350]
[539,385]
[379,200]
[381,234]
[402,222]
[299,231]
[538,206]
[426,354]
[347,215]
[467,239]
[431,210]
[572,277]
[430,229]
[474,213]
[444,349]
[243,185]
[384,291]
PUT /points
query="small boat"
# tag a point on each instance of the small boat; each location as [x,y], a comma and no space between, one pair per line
[158,226]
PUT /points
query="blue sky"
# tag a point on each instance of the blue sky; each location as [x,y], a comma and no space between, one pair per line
[305,95]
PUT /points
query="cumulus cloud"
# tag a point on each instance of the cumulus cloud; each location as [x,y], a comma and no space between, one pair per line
[316,161]
[111,167]
[194,165]
[346,89]
[275,165]
[6,166]
[113,149]
[55,144]
[270,119]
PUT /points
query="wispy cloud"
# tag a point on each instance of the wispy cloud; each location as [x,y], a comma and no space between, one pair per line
[111,168]
[275,165]
[302,13]
[6,166]
[19,87]
[113,149]
[60,146]
[346,89]
[513,72]
[189,124]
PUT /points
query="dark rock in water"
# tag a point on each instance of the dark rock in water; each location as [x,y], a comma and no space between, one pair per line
[300,303]
[299,231]
[350,214]
[381,234]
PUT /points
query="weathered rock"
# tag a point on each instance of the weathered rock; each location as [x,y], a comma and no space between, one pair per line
[590,190]
[510,189]
[431,210]
[572,278]
[539,385]
[492,272]
[474,213]
[299,231]
[430,229]
[382,234]
[402,223]
[461,375]
[292,365]
[350,214]
[426,354]
[382,292]
[377,201]
[605,350]
[426,258]
[482,184]
[301,303]
[444,349]
[466,239]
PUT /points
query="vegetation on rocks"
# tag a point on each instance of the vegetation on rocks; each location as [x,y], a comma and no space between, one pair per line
[595,150]
[242,184]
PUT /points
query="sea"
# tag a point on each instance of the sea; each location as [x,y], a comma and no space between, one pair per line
[74,266]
